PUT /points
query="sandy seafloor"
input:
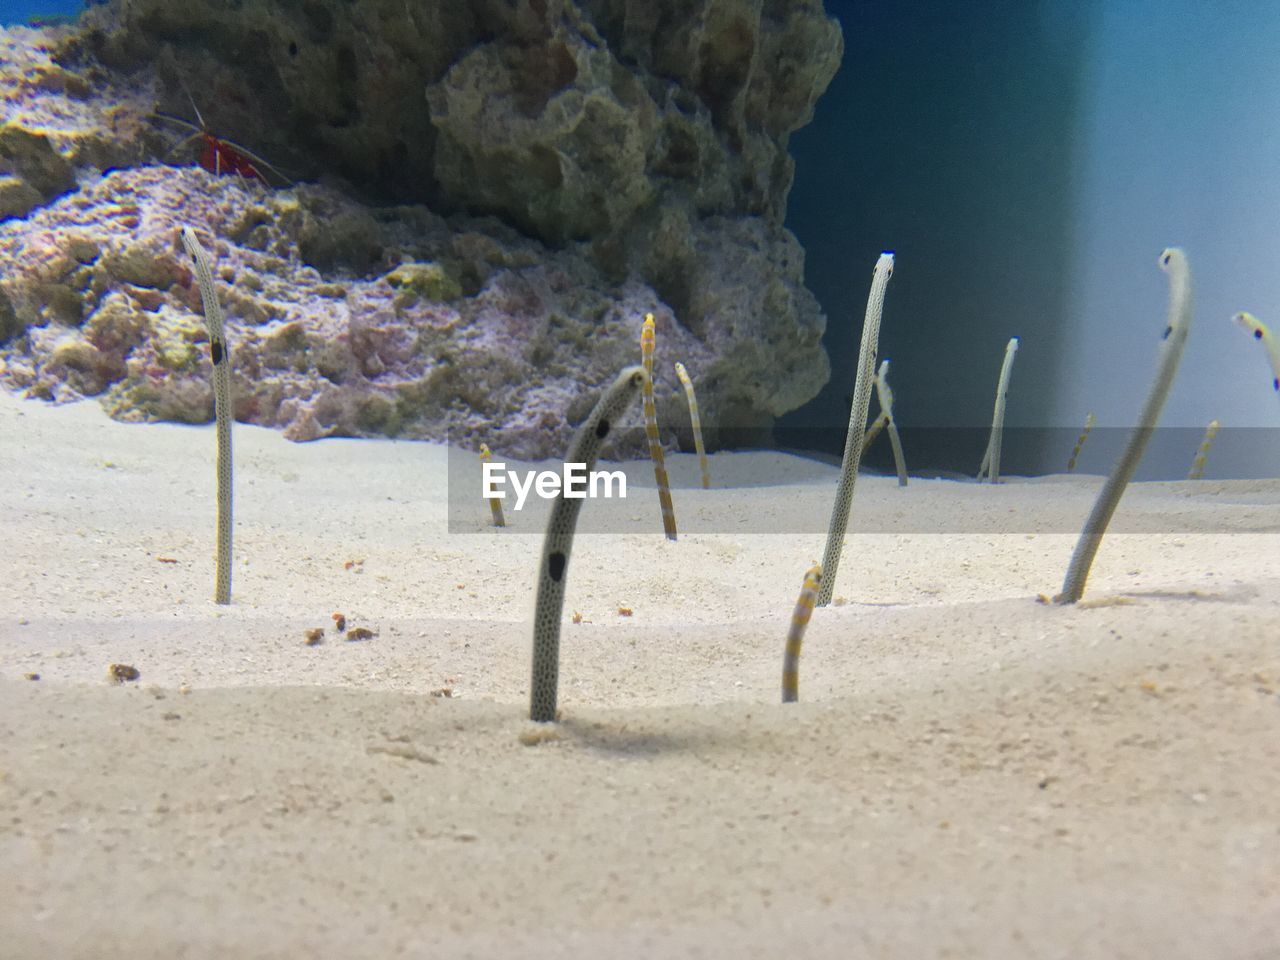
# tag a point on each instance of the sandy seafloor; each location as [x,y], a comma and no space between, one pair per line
[970,773]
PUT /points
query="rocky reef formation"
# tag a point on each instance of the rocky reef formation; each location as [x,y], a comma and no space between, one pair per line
[57,120]
[462,330]
[509,187]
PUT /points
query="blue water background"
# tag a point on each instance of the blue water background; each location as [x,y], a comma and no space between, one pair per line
[1028,160]
[22,11]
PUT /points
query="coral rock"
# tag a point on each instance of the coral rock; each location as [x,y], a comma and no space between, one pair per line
[550,171]
[17,196]
[417,281]
[31,159]
[10,325]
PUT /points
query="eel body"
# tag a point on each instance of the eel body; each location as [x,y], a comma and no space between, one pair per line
[554,567]
[221,403]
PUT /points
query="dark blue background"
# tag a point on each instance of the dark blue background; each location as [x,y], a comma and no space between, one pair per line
[946,137]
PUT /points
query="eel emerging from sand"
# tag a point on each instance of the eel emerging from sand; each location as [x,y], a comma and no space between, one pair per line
[885,395]
[696,423]
[221,404]
[799,621]
[1173,262]
[1089,421]
[857,426]
[495,503]
[585,449]
[991,459]
[648,339]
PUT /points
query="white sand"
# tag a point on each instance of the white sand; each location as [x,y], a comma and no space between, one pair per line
[969,774]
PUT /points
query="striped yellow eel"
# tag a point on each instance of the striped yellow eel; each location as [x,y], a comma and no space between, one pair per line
[1089,421]
[1173,262]
[694,419]
[1261,332]
[495,503]
[648,339]
[873,431]
[857,426]
[799,621]
[1202,454]
[584,449]
[221,357]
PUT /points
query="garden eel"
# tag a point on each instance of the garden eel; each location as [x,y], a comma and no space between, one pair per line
[1202,454]
[1084,435]
[648,339]
[683,374]
[495,503]
[799,620]
[991,459]
[1260,332]
[1174,262]
[873,431]
[884,396]
[221,403]
[554,567]
[857,426]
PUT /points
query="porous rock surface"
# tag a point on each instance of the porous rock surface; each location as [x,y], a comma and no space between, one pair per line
[54,120]
[531,176]
[461,330]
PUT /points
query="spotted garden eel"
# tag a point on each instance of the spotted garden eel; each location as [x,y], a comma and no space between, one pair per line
[1261,332]
[584,449]
[221,357]
[1089,421]
[495,503]
[884,396]
[1174,262]
[857,426]
[689,395]
[799,621]
[991,459]
[648,339]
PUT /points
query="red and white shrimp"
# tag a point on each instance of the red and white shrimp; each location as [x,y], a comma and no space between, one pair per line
[220,156]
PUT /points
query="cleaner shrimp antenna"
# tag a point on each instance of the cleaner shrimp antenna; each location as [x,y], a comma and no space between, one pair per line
[192,100]
[857,426]
[584,449]
[1261,332]
[991,459]
[885,398]
[495,503]
[799,621]
[648,339]
[1202,455]
[683,374]
[1089,421]
[221,404]
[1174,262]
